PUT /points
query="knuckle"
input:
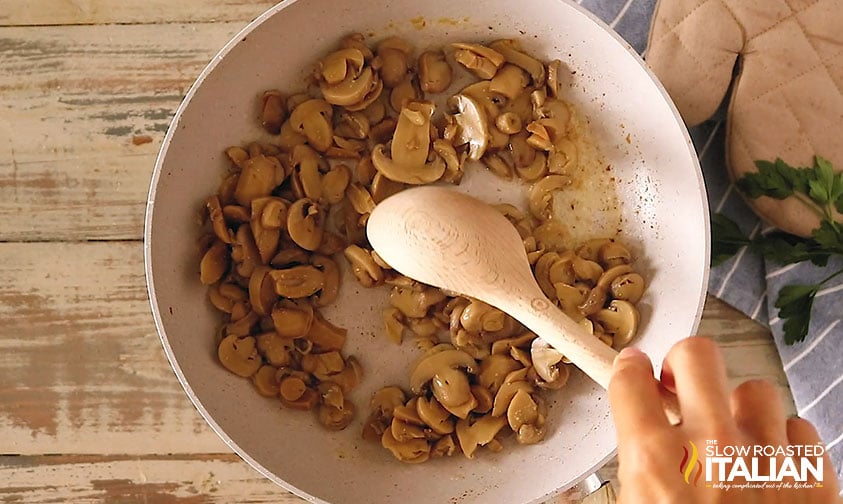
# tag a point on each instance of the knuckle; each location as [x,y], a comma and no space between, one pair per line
[755,389]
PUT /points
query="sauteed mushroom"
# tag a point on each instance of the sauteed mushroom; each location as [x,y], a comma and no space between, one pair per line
[305,224]
[410,148]
[313,119]
[239,355]
[478,59]
[620,319]
[435,73]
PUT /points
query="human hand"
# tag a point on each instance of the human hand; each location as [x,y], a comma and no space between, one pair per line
[650,450]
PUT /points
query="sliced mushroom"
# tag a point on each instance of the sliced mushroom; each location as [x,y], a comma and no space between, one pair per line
[326,336]
[613,254]
[410,148]
[508,123]
[323,365]
[336,418]
[504,346]
[331,280]
[392,65]
[435,73]
[620,319]
[313,119]
[306,163]
[292,319]
[514,382]
[257,179]
[494,369]
[244,251]
[368,273]
[225,295]
[453,161]
[414,451]
[451,388]
[298,281]
[289,137]
[275,348]
[546,362]
[428,366]
[305,397]
[478,317]
[404,92]
[570,298]
[542,192]
[264,380]
[444,447]
[214,264]
[404,431]
[382,187]
[273,111]
[217,218]
[414,303]
[628,287]
[587,271]
[563,158]
[350,376]
[334,67]
[261,291]
[473,125]
[305,224]
[266,237]
[385,400]
[370,97]
[239,355]
[478,59]
[522,410]
[434,415]
[480,433]
[511,51]
[510,81]
[598,295]
[393,321]
[554,77]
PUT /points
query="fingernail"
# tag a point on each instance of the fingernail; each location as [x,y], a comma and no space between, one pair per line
[629,353]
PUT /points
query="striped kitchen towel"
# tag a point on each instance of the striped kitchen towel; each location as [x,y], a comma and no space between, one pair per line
[814,367]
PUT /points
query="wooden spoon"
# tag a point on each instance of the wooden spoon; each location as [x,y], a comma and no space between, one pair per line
[455,242]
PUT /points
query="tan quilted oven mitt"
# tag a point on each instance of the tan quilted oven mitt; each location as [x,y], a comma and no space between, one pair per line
[787,97]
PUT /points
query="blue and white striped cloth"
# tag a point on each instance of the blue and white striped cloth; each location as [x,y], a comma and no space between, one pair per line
[815,367]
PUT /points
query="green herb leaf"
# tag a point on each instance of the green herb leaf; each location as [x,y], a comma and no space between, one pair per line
[784,248]
[795,303]
[772,179]
[822,185]
[726,239]
[829,237]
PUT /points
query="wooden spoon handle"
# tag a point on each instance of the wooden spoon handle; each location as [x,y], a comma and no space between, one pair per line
[589,354]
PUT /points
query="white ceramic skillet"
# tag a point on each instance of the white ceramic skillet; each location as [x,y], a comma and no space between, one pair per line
[641,137]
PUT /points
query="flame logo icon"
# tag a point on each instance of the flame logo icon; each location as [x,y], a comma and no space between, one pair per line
[687,466]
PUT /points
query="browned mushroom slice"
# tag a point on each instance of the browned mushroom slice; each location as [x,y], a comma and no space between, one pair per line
[323,365]
[273,111]
[353,89]
[480,433]
[332,279]
[306,168]
[542,192]
[414,451]
[435,73]
[368,273]
[264,380]
[325,335]
[478,59]
[473,125]
[392,64]
[305,224]
[512,53]
[217,218]
[510,81]
[621,320]
[598,295]
[275,349]
[428,366]
[298,281]
[404,92]
[257,179]
[414,303]
[261,291]
[410,149]
[336,418]
[313,119]
[494,369]
[393,321]
[214,263]
[434,415]
[350,376]
[239,355]
[292,319]
[334,67]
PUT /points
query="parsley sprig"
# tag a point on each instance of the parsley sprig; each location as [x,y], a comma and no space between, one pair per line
[818,187]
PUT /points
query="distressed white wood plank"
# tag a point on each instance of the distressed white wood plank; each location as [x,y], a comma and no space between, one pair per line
[58,12]
[81,366]
[192,479]
[71,100]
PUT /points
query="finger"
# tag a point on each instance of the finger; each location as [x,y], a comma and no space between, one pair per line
[802,432]
[695,368]
[634,396]
[759,412]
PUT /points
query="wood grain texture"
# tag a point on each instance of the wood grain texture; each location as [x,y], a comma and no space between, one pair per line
[59,12]
[68,167]
[81,366]
[193,479]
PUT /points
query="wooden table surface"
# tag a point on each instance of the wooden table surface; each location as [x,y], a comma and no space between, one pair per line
[90,410]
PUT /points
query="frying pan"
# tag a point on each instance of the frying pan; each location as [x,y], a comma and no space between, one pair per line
[660,195]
